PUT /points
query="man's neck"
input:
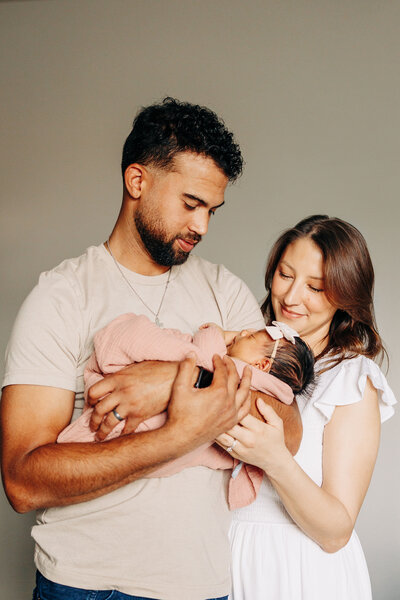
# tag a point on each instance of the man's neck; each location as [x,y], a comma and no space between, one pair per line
[129,251]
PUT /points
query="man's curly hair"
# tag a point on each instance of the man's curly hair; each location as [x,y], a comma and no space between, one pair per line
[162,130]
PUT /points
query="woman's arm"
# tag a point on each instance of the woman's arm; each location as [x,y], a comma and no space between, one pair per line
[326,514]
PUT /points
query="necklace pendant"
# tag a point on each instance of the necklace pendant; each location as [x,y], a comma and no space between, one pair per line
[156,319]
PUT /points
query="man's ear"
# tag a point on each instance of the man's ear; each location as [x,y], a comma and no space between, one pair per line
[134,178]
[264,364]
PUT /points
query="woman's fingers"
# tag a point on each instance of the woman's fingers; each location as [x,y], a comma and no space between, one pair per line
[224,440]
[269,414]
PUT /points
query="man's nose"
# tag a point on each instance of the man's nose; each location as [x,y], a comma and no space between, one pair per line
[199,222]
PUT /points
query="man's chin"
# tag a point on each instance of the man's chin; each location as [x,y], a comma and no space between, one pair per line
[177,258]
[180,258]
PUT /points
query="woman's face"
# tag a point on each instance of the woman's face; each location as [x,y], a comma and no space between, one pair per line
[298,296]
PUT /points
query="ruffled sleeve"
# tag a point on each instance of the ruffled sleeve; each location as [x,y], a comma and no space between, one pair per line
[345,384]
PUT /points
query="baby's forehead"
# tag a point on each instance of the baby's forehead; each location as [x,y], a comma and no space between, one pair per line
[264,335]
[270,340]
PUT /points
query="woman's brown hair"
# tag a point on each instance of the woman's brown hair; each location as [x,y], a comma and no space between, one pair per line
[348,285]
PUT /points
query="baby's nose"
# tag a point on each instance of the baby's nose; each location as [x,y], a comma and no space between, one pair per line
[247,332]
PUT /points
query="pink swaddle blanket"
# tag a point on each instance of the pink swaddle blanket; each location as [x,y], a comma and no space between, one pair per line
[133,338]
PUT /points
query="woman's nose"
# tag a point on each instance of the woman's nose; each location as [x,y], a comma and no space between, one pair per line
[293,295]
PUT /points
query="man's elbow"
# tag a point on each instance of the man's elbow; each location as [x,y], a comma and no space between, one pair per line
[18,496]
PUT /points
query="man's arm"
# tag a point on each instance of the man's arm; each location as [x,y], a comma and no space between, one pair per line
[39,473]
[123,390]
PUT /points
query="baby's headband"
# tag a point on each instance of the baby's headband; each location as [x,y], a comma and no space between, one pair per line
[278,331]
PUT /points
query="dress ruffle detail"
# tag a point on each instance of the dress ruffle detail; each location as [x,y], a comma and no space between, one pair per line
[345,384]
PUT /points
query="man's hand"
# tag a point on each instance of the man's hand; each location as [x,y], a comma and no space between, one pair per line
[137,392]
[203,414]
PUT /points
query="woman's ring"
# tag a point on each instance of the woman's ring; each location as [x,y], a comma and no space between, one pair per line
[232,446]
[117,415]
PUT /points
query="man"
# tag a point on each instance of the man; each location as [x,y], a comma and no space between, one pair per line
[100,525]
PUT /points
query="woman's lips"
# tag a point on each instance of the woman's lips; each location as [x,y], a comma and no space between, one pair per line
[289,314]
[186,245]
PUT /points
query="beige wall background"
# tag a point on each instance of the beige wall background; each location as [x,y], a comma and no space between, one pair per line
[312,90]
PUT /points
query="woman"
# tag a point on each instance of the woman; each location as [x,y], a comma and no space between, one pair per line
[296,541]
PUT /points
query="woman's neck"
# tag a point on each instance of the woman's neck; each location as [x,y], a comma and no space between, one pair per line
[317,343]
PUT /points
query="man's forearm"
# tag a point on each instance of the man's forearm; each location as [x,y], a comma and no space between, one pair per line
[62,474]
[38,473]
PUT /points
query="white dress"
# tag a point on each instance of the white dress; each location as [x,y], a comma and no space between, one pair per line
[272,559]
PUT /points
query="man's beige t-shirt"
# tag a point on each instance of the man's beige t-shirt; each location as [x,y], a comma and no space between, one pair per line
[160,538]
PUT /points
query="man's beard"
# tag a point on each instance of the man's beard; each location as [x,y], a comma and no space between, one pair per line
[157,244]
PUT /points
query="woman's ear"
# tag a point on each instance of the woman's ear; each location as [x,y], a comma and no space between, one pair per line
[264,364]
[133,179]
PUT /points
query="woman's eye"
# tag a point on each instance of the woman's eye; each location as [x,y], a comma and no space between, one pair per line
[314,289]
[284,275]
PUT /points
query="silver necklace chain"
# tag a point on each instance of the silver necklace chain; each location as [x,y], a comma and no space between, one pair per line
[156,319]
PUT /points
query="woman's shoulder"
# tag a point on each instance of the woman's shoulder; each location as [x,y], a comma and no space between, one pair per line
[344,384]
[349,367]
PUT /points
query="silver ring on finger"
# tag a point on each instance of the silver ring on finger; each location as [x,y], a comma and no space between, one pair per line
[117,415]
[232,446]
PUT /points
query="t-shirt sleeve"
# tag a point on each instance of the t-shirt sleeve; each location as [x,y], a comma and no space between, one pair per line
[242,309]
[345,384]
[44,348]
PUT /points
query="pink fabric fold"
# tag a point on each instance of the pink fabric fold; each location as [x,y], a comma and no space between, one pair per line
[133,338]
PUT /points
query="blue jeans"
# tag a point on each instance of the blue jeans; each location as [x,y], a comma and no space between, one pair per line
[47,590]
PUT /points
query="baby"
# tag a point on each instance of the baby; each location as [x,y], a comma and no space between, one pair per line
[273,352]
[277,350]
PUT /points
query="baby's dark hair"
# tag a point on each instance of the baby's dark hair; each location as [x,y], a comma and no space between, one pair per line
[294,364]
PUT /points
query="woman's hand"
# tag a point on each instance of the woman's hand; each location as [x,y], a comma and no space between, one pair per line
[257,443]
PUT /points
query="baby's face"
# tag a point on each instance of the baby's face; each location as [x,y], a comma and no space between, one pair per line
[249,345]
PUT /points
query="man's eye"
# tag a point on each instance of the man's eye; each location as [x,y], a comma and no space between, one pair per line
[189,206]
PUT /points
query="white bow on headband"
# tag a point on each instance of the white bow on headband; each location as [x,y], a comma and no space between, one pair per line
[280,330]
